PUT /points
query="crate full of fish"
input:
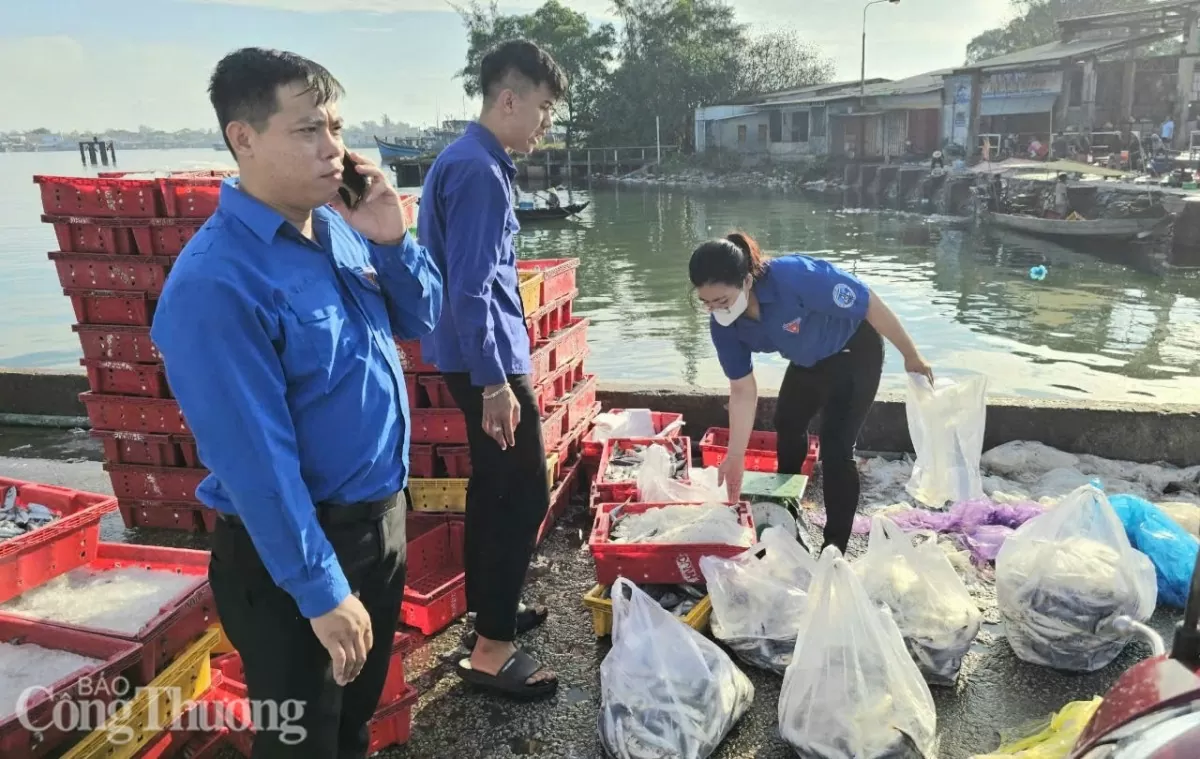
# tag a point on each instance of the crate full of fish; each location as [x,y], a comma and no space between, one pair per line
[689,604]
[45,530]
[623,460]
[156,597]
[166,698]
[662,543]
[62,665]
[760,453]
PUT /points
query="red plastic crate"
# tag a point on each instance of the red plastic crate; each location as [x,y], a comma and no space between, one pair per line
[554,428]
[123,237]
[438,391]
[154,483]
[421,461]
[125,378]
[190,197]
[165,239]
[410,357]
[92,271]
[571,446]
[456,460]
[415,396]
[579,401]
[111,343]
[29,560]
[102,684]
[439,596]
[760,454]
[541,360]
[189,516]
[558,276]
[654,563]
[97,196]
[593,448]
[430,541]
[392,725]
[439,425]
[550,318]
[112,308]
[179,623]
[560,499]
[617,492]
[127,414]
[147,449]
[570,342]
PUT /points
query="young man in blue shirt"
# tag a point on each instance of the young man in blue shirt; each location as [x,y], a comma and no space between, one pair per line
[482,346]
[276,328]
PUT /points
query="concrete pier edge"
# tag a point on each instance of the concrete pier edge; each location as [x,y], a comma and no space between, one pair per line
[1123,431]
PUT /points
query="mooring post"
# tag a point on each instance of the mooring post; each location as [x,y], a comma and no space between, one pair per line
[82,153]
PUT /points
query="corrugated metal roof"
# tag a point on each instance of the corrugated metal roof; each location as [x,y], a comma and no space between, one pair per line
[915,85]
[1054,52]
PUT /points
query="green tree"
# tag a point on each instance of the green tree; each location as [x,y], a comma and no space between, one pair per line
[781,60]
[1036,23]
[584,53]
[675,55]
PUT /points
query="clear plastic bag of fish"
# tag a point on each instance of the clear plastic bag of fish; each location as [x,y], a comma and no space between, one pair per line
[1063,578]
[758,598]
[677,524]
[666,691]
[628,461]
[946,424]
[928,600]
[852,691]
[659,480]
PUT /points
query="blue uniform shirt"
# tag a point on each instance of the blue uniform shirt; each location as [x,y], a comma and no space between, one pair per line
[468,223]
[280,352]
[809,311]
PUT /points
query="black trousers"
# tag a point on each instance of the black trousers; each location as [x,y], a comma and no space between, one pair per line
[288,671]
[841,387]
[507,499]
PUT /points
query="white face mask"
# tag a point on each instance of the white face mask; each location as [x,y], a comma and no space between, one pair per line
[727,316]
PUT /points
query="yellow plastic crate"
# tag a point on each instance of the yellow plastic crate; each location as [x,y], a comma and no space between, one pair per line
[602,612]
[551,465]
[223,645]
[439,494]
[531,291]
[129,729]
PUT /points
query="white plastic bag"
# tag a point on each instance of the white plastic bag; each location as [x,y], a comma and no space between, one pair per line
[946,423]
[665,689]
[656,485]
[632,422]
[1063,577]
[927,598]
[852,691]
[758,598]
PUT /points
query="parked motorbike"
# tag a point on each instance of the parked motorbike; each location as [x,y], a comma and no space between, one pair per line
[1153,711]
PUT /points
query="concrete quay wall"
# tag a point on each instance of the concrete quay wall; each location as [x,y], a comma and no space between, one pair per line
[1129,432]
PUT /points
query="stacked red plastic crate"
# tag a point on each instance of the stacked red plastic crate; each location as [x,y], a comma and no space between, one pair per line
[118,236]
[440,461]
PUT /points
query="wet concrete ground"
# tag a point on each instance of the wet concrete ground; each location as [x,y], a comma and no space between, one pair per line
[996,693]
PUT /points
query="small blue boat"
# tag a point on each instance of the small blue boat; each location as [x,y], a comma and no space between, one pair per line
[390,151]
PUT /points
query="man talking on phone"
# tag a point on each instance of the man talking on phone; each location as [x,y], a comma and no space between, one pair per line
[276,328]
[482,347]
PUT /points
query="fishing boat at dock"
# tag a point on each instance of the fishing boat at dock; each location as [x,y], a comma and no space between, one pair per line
[548,214]
[1078,229]
[394,151]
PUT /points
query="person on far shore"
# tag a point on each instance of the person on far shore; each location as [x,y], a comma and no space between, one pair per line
[482,348]
[276,331]
[827,324]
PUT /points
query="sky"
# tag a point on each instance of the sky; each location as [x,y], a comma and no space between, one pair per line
[101,64]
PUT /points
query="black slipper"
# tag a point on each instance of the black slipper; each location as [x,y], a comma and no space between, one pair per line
[528,618]
[512,678]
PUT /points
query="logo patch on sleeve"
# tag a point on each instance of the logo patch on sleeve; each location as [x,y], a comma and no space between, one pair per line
[843,295]
[792,326]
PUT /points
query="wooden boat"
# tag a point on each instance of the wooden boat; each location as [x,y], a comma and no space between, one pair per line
[1083,229]
[392,151]
[546,213]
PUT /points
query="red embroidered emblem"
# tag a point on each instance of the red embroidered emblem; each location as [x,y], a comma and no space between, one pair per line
[793,327]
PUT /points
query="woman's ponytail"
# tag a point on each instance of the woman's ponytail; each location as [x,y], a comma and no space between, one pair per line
[755,261]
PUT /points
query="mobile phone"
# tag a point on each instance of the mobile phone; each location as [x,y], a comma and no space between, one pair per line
[354,185]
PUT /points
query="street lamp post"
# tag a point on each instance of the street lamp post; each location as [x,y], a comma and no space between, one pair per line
[863,81]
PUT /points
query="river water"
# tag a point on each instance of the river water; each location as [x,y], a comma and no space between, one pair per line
[1090,330]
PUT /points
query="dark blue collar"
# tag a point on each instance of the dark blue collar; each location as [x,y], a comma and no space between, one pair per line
[264,221]
[484,137]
